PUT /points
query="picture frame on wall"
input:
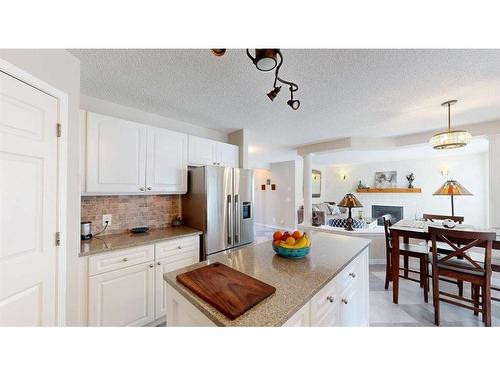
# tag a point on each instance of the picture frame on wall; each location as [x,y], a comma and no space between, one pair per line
[386,179]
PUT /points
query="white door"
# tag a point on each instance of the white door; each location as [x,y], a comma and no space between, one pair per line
[228,155]
[116,155]
[202,151]
[164,266]
[122,298]
[28,201]
[166,167]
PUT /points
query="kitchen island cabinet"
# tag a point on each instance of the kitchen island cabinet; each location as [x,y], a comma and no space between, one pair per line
[327,288]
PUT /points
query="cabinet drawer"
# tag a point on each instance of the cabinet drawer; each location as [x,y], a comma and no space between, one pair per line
[120,259]
[351,274]
[178,248]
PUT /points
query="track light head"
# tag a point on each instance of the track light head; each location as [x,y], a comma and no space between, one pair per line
[295,104]
[273,93]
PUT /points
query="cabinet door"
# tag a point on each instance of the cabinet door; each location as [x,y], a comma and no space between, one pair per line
[228,155]
[164,266]
[166,167]
[202,151]
[352,307]
[116,155]
[122,298]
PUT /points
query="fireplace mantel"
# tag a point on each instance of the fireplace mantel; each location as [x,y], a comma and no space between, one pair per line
[389,190]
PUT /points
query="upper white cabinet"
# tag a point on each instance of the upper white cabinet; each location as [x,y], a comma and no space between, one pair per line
[166,166]
[126,157]
[116,155]
[204,151]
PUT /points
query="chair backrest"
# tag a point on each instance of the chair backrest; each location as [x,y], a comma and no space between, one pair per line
[432,217]
[461,242]
[387,225]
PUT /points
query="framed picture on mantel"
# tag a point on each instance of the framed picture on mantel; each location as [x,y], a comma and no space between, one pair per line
[386,179]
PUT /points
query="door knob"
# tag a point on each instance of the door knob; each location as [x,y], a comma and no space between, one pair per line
[344,301]
[330,299]
[151,265]
[158,263]
[149,187]
[141,189]
[125,259]
[179,247]
[352,274]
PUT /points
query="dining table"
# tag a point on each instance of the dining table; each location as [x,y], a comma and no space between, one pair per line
[418,229]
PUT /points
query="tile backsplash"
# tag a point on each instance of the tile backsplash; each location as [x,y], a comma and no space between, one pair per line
[155,211]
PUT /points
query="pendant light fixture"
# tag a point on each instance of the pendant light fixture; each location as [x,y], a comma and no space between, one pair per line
[450,138]
[266,60]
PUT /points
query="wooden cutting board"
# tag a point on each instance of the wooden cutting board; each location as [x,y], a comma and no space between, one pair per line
[229,291]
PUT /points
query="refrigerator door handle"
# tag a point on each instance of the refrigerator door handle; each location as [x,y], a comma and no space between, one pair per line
[237,219]
[229,227]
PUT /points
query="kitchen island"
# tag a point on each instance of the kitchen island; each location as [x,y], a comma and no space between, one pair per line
[329,287]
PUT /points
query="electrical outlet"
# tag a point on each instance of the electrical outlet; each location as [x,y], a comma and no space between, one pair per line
[107,218]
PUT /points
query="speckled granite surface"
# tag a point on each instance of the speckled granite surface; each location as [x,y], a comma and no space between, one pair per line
[296,281]
[101,244]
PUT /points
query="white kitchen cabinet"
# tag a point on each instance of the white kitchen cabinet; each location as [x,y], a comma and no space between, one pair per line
[116,155]
[122,298]
[204,151]
[166,166]
[228,155]
[344,301]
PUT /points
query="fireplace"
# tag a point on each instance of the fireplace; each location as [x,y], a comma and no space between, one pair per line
[396,213]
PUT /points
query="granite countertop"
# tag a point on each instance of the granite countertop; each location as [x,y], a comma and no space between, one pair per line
[118,241]
[296,280]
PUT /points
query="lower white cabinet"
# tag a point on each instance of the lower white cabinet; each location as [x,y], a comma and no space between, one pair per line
[122,298]
[343,302]
[124,293]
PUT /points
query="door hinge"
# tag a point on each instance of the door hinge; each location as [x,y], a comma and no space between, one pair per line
[59,130]
[58,238]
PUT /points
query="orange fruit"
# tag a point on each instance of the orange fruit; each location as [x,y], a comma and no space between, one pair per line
[277,235]
[277,242]
[290,241]
[296,234]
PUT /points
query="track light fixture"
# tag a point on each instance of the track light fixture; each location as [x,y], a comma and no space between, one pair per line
[267,59]
[273,93]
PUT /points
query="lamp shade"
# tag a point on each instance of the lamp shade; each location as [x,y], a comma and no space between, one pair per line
[452,187]
[350,201]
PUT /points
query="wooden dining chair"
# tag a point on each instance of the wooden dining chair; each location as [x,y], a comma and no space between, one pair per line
[442,247]
[407,250]
[434,218]
[460,266]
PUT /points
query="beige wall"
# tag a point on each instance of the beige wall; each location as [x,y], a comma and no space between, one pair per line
[61,70]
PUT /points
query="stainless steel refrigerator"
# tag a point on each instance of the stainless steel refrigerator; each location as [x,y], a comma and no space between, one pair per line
[219,202]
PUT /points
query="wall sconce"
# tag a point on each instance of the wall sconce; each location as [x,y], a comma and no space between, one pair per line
[444,172]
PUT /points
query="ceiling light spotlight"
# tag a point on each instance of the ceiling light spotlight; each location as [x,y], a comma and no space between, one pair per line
[273,93]
[265,59]
[295,104]
[218,51]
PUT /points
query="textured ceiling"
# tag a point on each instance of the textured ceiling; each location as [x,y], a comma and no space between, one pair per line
[343,92]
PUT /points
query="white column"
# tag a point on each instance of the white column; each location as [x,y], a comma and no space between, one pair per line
[494,180]
[307,189]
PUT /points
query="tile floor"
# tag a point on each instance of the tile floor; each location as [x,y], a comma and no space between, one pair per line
[412,311]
